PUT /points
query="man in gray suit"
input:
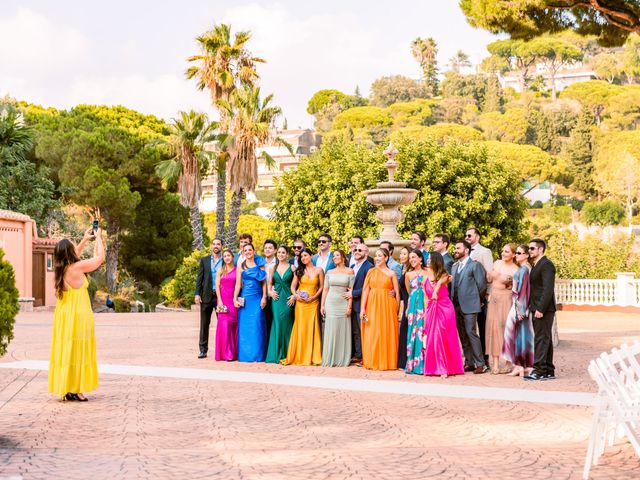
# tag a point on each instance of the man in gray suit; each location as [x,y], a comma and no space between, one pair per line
[467,290]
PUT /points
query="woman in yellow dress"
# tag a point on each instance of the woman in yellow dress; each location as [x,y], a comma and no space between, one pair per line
[305,346]
[379,315]
[73,369]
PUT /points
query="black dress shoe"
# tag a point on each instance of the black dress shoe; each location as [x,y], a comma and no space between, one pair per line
[70,397]
[202,355]
[534,376]
[469,368]
[549,376]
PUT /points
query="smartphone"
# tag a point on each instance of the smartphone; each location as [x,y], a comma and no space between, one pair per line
[96,225]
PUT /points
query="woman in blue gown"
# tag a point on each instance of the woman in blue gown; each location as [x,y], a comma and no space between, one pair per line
[250,298]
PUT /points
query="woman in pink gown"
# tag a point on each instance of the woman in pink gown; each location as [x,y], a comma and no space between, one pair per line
[442,353]
[227,314]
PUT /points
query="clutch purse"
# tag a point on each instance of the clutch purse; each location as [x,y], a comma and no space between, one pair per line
[241,301]
[222,309]
[303,295]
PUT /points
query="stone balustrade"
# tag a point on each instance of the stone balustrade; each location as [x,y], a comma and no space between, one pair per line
[624,291]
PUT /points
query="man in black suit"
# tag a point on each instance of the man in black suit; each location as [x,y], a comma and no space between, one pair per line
[468,289]
[542,305]
[205,294]
[360,269]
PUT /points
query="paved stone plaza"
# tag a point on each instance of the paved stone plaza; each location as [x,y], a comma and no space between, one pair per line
[162,413]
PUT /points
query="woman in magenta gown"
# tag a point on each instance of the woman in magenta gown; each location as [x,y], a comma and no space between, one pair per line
[442,353]
[227,314]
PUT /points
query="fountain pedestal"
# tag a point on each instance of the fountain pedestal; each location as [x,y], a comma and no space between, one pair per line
[390,195]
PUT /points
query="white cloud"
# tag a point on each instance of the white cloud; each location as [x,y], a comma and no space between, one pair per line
[31,44]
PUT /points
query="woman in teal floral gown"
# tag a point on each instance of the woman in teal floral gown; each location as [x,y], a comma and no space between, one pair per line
[415,314]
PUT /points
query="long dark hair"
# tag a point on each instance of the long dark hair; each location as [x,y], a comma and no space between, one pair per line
[223,268]
[419,254]
[64,254]
[286,249]
[406,266]
[436,263]
[301,266]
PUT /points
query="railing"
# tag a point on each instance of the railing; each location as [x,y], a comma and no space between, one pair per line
[623,291]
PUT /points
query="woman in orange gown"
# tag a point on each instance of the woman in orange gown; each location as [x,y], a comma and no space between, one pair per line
[379,316]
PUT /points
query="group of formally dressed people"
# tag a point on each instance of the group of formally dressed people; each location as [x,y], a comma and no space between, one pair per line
[428,313]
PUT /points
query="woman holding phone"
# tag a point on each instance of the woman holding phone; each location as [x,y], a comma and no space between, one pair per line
[73,369]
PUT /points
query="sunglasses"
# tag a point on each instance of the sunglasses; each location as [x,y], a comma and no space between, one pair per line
[468,235]
[359,250]
[533,248]
[520,253]
[323,241]
[297,247]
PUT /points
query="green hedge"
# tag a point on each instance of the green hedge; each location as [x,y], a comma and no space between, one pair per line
[9,305]
[179,291]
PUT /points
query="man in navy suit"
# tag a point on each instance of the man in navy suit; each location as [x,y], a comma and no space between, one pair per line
[205,294]
[542,305]
[324,257]
[360,269]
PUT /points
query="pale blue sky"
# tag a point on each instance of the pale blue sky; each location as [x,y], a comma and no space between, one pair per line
[134,52]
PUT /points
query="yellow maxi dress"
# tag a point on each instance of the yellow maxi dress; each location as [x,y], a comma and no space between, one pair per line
[73,367]
[305,346]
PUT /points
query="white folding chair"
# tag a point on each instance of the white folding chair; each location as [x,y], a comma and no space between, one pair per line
[617,410]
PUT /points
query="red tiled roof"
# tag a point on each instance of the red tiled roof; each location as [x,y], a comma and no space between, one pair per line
[10,215]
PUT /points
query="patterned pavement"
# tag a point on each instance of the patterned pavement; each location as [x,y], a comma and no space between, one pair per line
[144,423]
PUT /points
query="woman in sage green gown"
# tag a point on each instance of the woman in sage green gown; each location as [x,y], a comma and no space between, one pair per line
[279,289]
[336,345]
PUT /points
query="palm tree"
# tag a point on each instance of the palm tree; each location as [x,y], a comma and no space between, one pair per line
[425,51]
[253,120]
[220,67]
[189,133]
[16,138]
[459,61]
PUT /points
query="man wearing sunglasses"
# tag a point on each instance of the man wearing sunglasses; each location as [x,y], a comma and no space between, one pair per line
[298,246]
[353,244]
[542,305]
[324,258]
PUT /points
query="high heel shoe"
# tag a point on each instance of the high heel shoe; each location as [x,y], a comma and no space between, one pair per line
[70,397]
[516,372]
[81,399]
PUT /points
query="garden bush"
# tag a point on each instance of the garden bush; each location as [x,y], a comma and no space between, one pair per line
[9,306]
[179,291]
[607,212]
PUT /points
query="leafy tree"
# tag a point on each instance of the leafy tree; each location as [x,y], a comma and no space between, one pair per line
[386,91]
[440,133]
[188,135]
[617,168]
[458,186]
[457,110]
[519,55]
[473,86]
[607,66]
[326,104]
[578,152]
[416,112]
[155,247]
[253,118]
[623,109]
[9,305]
[494,99]
[425,50]
[222,65]
[362,117]
[554,54]
[178,291]
[532,164]
[24,188]
[459,61]
[631,58]
[103,159]
[594,94]
[610,20]
[510,126]
[607,212]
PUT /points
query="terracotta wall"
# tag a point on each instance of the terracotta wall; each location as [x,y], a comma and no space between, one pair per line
[16,237]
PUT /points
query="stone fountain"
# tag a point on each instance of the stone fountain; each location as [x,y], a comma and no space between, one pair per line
[390,196]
